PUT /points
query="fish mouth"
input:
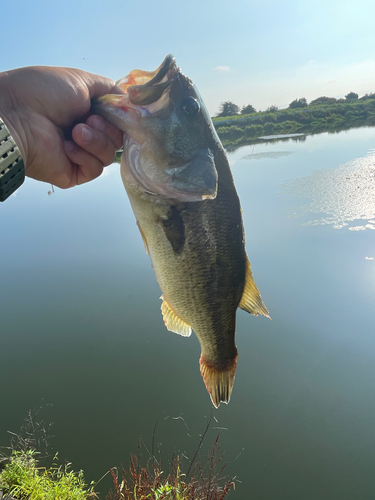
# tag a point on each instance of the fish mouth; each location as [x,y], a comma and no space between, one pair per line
[147,87]
[144,93]
[158,166]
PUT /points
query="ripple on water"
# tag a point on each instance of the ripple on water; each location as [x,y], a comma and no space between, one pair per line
[343,195]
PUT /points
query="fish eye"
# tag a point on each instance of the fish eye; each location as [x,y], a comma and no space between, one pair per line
[190,106]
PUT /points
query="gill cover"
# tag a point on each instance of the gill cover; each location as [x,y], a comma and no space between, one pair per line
[196,180]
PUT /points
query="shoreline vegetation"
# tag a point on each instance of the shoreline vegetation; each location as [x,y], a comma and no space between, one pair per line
[325,114]
[23,477]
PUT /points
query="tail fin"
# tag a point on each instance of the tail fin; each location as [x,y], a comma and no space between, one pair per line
[219,383]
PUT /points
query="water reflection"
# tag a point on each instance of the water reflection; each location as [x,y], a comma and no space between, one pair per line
[282,138]
[343,195]
[266,154]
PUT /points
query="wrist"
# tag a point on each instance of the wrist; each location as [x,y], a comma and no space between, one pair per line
[11,113]
[12,169]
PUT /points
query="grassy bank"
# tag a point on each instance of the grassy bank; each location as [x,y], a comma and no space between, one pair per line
[23,477]
[238,130]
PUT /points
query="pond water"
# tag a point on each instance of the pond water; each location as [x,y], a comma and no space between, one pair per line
[82,337]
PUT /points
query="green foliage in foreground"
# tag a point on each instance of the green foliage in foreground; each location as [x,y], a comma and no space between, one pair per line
[23,479]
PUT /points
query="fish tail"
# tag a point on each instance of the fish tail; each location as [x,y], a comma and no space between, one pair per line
[219,381]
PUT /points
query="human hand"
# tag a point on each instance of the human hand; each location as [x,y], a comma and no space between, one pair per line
[47,111]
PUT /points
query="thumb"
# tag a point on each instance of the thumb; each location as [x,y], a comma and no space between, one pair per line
[100,85]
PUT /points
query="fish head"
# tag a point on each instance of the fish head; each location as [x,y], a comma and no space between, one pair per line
[169,139]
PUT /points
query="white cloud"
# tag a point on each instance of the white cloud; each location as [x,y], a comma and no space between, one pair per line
[222,68]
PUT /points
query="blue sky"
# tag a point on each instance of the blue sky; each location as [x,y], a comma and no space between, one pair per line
[251,52]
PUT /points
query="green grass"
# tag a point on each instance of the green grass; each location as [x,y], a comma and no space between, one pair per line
[22,478]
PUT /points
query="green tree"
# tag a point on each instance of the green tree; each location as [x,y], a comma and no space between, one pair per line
[367,96]
[253,130]
[298,103]
[272,109]
[323,100]
[228,108]
[246,110]
[352,96]
[268,127]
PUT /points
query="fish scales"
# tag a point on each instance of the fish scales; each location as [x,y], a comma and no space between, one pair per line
[181,189]
[204,282]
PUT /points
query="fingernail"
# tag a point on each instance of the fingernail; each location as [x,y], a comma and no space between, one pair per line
[98,124]
[86,134]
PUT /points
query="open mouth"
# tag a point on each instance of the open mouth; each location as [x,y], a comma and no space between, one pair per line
[146,87]
[145,93]
[157,94]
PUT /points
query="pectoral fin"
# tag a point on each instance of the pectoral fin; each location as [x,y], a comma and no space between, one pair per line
[172,321]
[251,301]
[143,238]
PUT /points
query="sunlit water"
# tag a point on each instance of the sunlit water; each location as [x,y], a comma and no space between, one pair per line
[342,195]
[82,334]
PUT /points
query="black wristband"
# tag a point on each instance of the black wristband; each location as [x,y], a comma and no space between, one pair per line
[12,168]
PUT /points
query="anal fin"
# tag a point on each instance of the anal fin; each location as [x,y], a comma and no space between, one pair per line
[173,322]
[251,300]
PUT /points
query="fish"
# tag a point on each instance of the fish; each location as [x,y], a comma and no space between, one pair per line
[178,180]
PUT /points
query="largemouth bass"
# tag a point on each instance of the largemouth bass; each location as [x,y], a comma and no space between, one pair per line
[179,183]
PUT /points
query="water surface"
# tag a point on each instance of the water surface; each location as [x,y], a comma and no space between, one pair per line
[82,334]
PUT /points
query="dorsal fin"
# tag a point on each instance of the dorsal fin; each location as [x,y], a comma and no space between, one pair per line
[251,300]
[173,322]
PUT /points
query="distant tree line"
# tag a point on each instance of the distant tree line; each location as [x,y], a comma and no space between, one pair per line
[320,115]
[229,108]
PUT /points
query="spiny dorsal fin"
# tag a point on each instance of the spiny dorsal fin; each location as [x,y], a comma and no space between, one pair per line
[251,300]
[172,321]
